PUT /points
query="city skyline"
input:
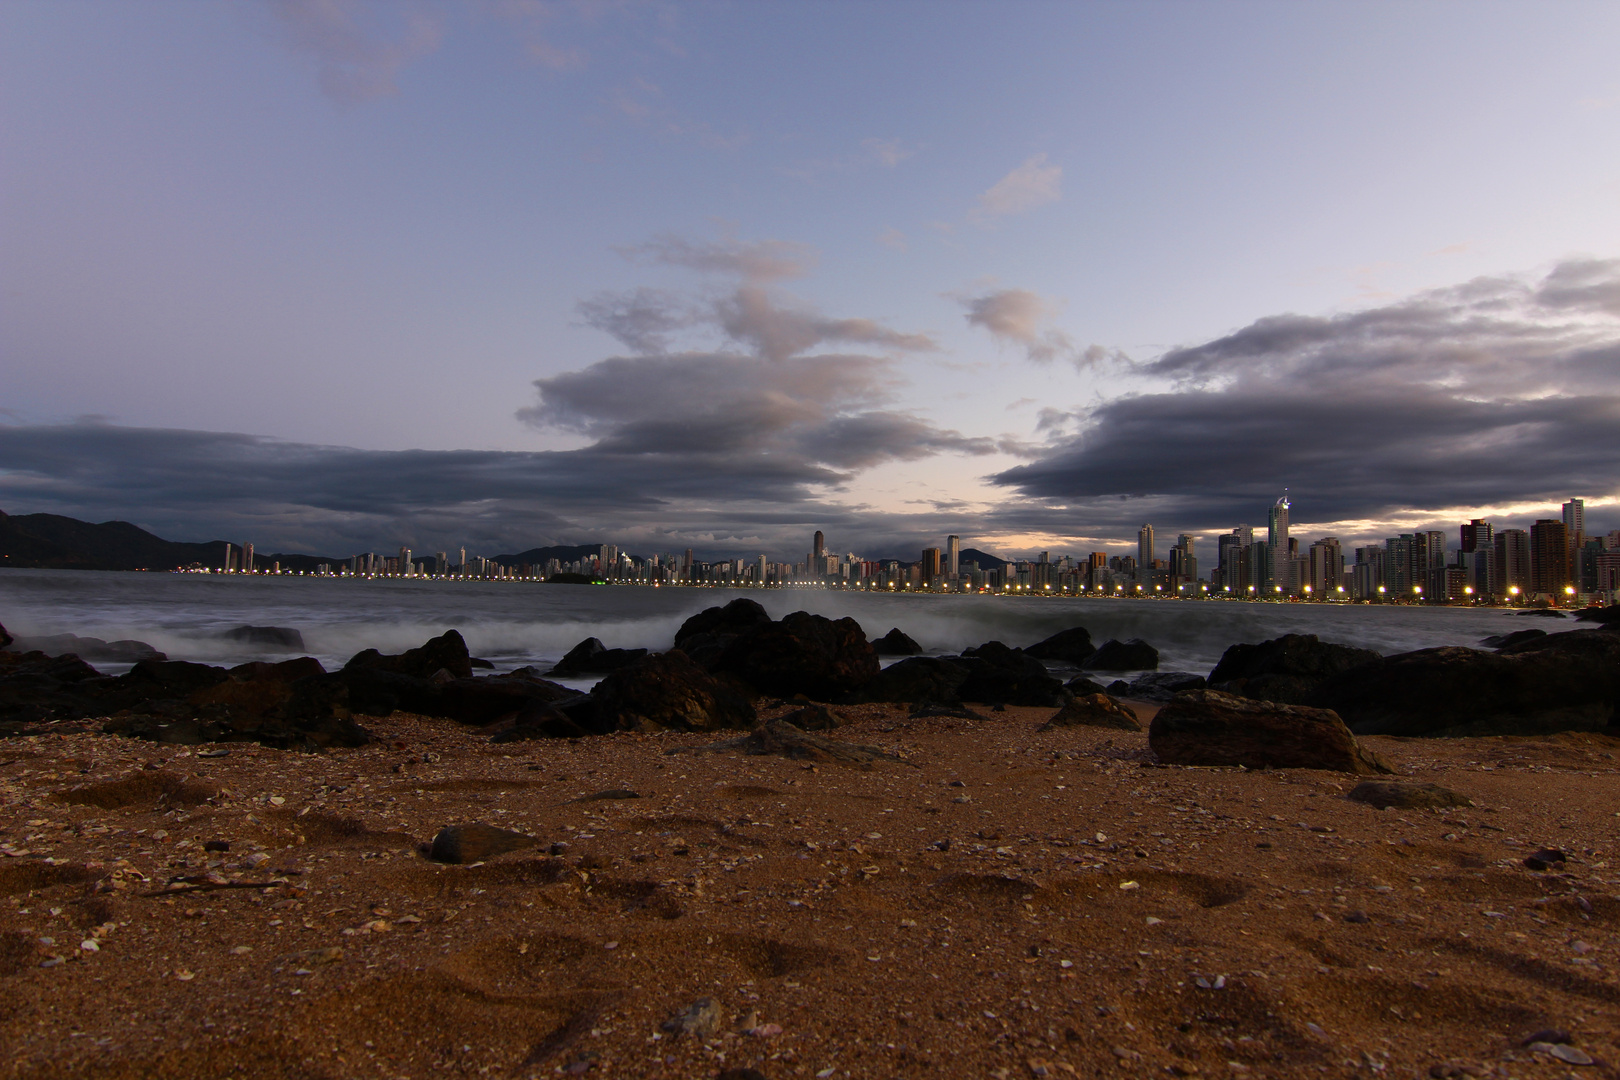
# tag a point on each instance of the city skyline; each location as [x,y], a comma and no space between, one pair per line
[341,274]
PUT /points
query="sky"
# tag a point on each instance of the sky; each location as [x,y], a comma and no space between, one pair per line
[336,276]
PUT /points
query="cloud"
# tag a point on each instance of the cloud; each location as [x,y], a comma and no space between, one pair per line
[1018,315]
[642,320]
[1497,391]
[887,152]
[892,238]
[756,262]
[752,318]
[1032,184]
[359,47]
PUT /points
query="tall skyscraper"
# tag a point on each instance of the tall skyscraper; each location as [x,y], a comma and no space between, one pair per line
[1144,551]
[1549,558]
[1513,561]
[1475,535]
[819,548]
[462,565]
[1279,570]
[953,555]
[1574,528]
[1326,567]
[247,558]
[405,562]
[930,566]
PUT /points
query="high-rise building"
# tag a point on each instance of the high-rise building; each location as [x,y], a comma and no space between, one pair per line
[462,565]
[1549,558]
[1512,562]
[441,563]
[1277,572]
[1475,535]
[819,548]
[247,558]
[1325,567]
[1183,561]
[930,566]
[1574,528]
[405,562]
[1144,550]
[953,555]
[230,558]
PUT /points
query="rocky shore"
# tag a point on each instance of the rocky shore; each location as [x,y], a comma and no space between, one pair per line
[762,853]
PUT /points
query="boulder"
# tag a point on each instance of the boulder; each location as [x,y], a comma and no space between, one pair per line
[446,652]
[1080,686]
[1608,616]
[1071,646]
[591,657]
[5,638]
[704,636]
[1284,669]
[1502,641]
[668,691]
[1558,682]
[814,718]
[279,637]
[1163,685]
[1130,655]
[1383,794]
[88,648]
[780,739]
[920,678]
[1207,727]
[36,688]
[286,671]
[1542,613]
[895,643]
[998,675]
[812,655]
[537,720]
[475,843]
[1094,710]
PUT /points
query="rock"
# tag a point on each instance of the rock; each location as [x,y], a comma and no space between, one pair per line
[1284,669]
[700,1019]
[1071,646]
[704,636]
[1542,613]
[999,675]
[1117,688]
[1080,686]
[89,648]
[447,651]
[1502,641]
[738,1072]
[778,739]
[1093,710]
[895,643]
[812,655]
[1164,685]
[5,638]
[1559,682]
[924,709]
[1383,794]
[590,657]
[1131,655]
[288,671]
[281,637]
[668,691]
[475,843]
[814,718]
[1609,616]
[537,720]
[1207,727]
[1545,859]
[920,678]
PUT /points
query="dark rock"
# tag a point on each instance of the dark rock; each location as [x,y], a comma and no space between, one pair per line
[1542,613]
[447,651]
[778,739]
[895,643]
[611,795]
[1000,675]
[704,636]
[286,671]
[812,655]
[160,679]
[1559,682]
[1080,686]
[1284,669]
[924,709]
[1502,641]
[1094,710]
[1117,688]
[1609,616]
[89,648]
[1071,646]
[1383,794]
[1131,655]
[1164,685]
[5,638]
[590,657]
[478,663]
[668,691]
[700,1019]
[920,678]
[537,720]
[475,843]
[814,718]
[1207,727]
[1545,859]
[280,637]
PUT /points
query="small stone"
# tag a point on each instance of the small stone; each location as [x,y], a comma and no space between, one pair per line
[241,950]
[475,843]
[217,845]
[1569,1055]
[1383,794]
[1152,921]
[329,955]
[1129,885]
[700,1019]
[255,860]
[765,1031]
[185,976]
[1581,948]
[90,945]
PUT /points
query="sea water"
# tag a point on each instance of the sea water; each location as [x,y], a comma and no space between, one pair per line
[514,623]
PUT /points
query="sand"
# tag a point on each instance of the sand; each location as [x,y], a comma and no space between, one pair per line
[1003,903]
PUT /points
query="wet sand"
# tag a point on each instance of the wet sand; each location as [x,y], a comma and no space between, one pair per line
[1005,902]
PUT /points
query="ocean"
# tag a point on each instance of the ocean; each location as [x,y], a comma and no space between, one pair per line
[513,624]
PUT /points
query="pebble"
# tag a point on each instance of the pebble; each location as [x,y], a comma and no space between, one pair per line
[1569,1055]
[1129,885]
[700,1019]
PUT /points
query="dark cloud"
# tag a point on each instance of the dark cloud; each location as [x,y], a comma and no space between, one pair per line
[1496,392]
[643,320]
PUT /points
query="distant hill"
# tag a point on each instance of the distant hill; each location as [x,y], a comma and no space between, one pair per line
[985,560]
[53,542]
[561,552]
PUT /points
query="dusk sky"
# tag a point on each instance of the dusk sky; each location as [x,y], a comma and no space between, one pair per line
[336,276]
